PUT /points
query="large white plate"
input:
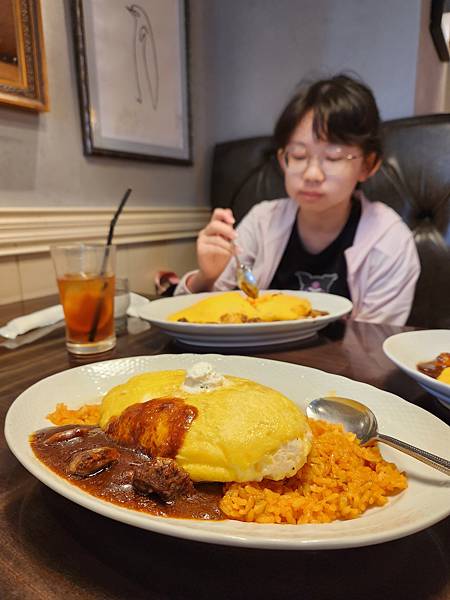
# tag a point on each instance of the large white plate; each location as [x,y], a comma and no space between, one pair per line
[426,501]
[243,335]
[411,347]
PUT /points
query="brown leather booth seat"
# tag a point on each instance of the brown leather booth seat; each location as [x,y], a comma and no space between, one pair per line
[414,180]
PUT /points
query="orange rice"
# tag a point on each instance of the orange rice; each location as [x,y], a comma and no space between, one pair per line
[340,480]
[88,414]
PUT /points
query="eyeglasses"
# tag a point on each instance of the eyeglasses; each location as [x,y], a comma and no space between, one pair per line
[333,162]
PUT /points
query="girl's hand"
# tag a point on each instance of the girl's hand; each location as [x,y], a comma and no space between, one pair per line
[214,249]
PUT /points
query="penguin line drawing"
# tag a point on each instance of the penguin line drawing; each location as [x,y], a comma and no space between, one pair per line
[144,55]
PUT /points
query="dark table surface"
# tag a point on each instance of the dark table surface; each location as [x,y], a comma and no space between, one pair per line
[54,549]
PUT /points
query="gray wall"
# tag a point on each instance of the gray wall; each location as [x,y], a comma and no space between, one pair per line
[246,58]
[259,50]
[41,162]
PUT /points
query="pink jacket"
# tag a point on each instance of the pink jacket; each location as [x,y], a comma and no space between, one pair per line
[382,265]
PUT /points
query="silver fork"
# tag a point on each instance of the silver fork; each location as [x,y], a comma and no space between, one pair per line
[245,279]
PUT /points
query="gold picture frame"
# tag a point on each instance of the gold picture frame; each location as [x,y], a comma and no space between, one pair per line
[23,72]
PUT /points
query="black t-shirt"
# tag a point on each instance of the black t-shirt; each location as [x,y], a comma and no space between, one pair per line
[322,272]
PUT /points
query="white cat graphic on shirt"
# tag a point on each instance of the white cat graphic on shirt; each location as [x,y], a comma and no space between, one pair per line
[315,283]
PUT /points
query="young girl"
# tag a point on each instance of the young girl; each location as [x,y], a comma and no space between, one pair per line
[326,236]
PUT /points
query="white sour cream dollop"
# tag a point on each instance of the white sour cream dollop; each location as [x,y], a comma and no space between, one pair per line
[201,377]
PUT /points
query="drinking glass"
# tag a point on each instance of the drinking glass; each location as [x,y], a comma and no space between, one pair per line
[121,297]
[121,304]
[86,280]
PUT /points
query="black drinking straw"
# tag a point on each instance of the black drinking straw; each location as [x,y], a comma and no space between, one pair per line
[98,308]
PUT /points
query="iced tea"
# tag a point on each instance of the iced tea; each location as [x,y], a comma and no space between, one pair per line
[88,303]
[86,281]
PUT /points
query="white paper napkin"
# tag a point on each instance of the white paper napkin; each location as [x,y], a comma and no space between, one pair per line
[136,302]
[53,314]
[40,318]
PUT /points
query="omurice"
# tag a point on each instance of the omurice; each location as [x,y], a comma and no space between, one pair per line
[216,428]
[234,307]
[203,445]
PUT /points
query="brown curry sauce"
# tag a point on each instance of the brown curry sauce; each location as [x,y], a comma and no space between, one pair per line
[434,368]
[114,483]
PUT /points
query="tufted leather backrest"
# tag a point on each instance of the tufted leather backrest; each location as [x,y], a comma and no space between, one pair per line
[414,180]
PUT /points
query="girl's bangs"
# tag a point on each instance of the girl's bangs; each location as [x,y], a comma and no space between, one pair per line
[335,126]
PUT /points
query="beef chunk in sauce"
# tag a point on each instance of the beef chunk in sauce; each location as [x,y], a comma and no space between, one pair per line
[66,435]
[163,477]
[93,460]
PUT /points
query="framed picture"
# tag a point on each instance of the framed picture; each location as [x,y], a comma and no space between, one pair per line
[440,28]
[23,73]
[132,63]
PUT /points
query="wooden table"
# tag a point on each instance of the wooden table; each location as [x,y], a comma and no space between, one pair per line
[53,549]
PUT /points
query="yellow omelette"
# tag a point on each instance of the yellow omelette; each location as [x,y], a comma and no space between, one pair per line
[243,431]
[234,307]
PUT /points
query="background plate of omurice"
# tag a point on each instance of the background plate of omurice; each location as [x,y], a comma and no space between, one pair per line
[425,501]
[249,335]
[410,348]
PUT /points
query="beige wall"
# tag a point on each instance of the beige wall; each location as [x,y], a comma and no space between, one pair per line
[147,239]
[432,74]
[29,276]
[447,94]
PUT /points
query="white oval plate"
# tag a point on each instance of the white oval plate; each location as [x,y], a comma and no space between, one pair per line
[426,501]
[243,335]
[411,347]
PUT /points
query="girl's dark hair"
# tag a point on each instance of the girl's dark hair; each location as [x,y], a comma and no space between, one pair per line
[345,112]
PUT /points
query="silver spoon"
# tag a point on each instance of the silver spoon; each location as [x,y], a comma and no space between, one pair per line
[244,276]
[360,420]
